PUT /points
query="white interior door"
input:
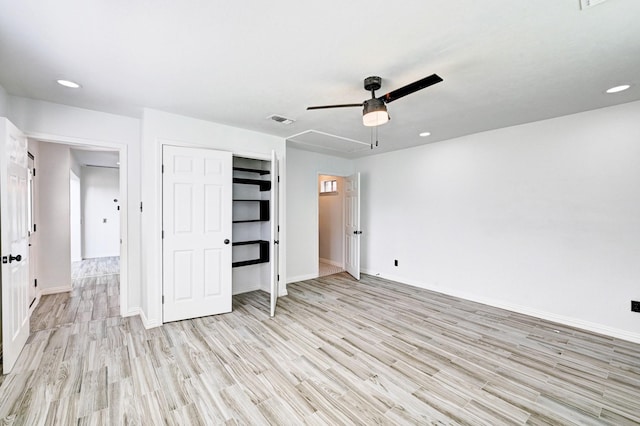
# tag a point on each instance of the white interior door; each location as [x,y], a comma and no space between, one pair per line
[352,225]
[275,231]
[14,243]
[196,248]
[31,294]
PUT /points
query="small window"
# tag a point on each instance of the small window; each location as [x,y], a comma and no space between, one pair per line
[328,186]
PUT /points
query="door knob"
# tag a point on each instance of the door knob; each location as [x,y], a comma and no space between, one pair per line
[17,258]
[357,232]
[226,241]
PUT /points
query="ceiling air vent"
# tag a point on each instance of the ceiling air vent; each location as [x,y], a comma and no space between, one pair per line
[280,119]
[585,4]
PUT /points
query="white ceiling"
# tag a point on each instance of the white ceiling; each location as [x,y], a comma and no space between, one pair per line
[96,157]
[504,62]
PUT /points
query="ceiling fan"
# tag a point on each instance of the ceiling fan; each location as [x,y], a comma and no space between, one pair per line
[375,112]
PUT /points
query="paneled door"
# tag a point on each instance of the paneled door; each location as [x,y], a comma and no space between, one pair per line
[352,225]
[31,229]
[275,231]
[196,246]
[14,241]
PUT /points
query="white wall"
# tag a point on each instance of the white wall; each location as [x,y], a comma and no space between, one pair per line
[75,216]
[3,102]
[100,216]
[303,168]
[54,122]
[54,245]
[331,223]
[163,128]
[542,218]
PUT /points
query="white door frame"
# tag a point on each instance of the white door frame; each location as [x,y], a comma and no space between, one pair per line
[124,204]
[33,246]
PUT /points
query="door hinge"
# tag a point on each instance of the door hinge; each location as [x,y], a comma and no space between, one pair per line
[163,234]
[278,179]
[35,282]
[140,206]
[163,299]
[163,168]
[34,227]
[34,172]
[278,279]
[278,228]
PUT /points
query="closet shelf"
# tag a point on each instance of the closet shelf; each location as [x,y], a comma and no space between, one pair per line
[264,253]
[265,185]
[248,170]
[245,243]
[248,262]
[251,220]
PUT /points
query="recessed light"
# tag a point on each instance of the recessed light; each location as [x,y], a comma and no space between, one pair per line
[619,88]
[425,134]
[68,83]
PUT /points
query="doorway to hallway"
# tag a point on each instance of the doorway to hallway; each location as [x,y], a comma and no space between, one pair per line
[330,225]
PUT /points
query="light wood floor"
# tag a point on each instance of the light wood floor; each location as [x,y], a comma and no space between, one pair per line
[337,352]
[95,267]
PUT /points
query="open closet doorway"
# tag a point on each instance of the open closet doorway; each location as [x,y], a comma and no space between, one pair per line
[331,225]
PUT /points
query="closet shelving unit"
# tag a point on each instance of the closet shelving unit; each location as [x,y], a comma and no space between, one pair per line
[251,207]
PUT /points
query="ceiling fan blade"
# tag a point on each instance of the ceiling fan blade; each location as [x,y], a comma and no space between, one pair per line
[410,88]
[334,106]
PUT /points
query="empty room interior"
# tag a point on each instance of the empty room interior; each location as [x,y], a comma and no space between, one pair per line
[332,213]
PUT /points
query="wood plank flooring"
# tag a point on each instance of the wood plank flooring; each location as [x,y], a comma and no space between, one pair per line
[337,352]
[95,267]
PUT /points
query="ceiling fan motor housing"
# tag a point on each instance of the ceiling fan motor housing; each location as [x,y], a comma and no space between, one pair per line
[372,83]
[371,105]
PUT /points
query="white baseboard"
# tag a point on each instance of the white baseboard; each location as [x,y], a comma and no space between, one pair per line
[561,319]
[55,290]
[239,288]
[301,278]
[332,262]
[283,290]
[35,303]
[148,324]
[131,312]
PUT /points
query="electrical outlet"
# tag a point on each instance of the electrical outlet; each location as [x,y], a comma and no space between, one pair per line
[635,306]
[395,262]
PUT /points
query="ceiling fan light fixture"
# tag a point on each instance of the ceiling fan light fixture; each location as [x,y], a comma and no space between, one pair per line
[374,113]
